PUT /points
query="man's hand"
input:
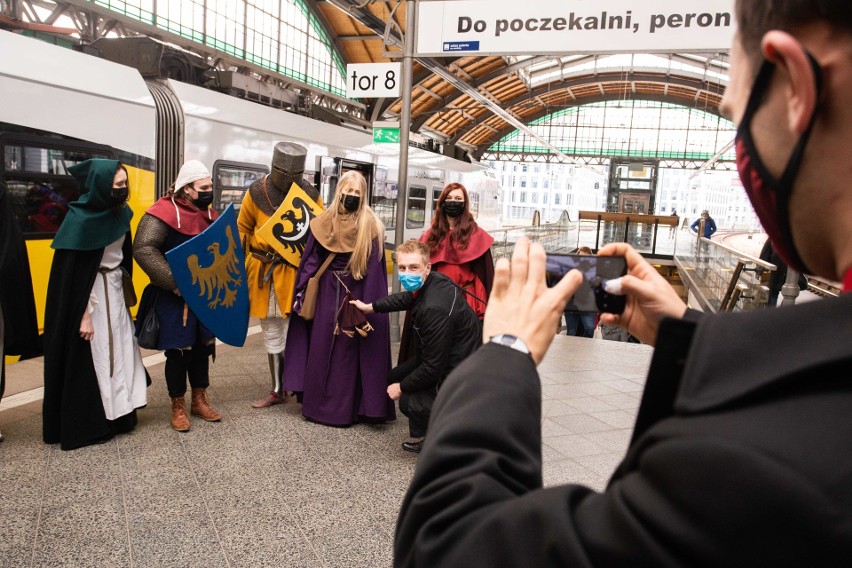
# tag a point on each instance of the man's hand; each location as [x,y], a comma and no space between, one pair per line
[521,304]
[177,293]
[366,308]
[87,330]
[394,392]
[649,297]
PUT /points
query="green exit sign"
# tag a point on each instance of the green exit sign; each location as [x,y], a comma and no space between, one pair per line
[385,135]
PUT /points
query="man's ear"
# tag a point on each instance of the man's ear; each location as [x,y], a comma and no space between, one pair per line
[800,82]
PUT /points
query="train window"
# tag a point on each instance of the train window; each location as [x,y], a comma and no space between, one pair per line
[383,202]
[39,185]
[232,180]
[416,214]
[474,196]
[436,193]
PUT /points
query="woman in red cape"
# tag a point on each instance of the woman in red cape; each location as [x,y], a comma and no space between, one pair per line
[460,249]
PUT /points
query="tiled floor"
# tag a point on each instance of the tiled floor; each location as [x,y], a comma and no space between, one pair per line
[265,487]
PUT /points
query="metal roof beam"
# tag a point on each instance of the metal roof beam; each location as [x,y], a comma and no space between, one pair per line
[480,98]
[646,77]
[483,147]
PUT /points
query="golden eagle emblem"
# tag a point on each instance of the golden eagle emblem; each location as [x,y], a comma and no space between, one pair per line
[221,279]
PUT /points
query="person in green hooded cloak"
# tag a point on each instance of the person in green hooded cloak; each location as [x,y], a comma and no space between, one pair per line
[94,379]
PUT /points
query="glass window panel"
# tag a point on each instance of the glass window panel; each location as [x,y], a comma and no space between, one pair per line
[273,34]
[39,185]
[416,215]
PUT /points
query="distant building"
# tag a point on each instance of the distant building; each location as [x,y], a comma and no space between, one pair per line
[549,188]
[720,192]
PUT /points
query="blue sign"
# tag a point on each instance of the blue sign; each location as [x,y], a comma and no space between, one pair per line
[461,46]
[210,271]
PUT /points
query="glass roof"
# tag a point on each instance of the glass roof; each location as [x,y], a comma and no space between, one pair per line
[627,128]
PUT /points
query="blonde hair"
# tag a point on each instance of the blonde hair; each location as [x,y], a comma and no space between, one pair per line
[368,225]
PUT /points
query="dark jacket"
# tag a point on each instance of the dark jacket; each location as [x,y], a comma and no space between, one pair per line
[779,276]
[709,227]
[740,456]
[446,330]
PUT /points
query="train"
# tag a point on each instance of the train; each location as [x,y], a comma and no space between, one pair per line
[59,106]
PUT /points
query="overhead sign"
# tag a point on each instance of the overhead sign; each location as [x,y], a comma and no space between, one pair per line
[373,80]
[540,27]
[386,132]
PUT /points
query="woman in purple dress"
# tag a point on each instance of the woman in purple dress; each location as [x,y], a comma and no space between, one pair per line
[340,373]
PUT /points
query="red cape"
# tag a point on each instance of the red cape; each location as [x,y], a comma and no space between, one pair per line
[479,243]
[190,220]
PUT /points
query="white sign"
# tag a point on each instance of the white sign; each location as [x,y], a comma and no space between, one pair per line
[539,27]
[371,80]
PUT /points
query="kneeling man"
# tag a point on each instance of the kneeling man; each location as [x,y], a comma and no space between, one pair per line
[446,331]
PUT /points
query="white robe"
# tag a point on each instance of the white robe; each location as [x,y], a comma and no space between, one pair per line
[126,389]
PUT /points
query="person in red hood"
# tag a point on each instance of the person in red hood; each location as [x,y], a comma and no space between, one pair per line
[459,249]
[172,220]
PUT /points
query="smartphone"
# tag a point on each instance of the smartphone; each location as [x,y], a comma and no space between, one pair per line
[590,296]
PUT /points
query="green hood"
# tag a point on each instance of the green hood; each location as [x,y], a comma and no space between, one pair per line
[93,221]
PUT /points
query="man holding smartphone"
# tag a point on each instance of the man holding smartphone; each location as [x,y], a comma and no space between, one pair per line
[740,452]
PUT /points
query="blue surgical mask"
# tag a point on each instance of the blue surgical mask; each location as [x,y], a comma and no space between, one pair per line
[411,282]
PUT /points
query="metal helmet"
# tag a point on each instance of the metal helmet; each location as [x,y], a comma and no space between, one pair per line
[289,158]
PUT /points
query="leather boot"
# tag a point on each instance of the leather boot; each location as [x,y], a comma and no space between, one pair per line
[180,421]
[200,406]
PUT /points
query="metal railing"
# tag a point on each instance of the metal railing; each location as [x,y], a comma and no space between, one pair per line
[555,237]
[655,236]
[720,278]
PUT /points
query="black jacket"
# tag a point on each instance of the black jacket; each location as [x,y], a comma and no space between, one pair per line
[740,456]
[446,330]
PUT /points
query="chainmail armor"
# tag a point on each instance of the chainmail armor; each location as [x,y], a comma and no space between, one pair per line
[150,236]
[276,196]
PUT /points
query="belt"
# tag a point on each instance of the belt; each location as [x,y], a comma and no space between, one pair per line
[269,257]
[104,272]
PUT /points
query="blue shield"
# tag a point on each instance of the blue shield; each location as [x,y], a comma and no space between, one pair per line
[210,272]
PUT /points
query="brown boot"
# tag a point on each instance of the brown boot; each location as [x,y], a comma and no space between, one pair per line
[180,421]
[200,406]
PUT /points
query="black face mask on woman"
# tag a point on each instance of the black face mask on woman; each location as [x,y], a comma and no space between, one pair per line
[351,203]
[204,199]
[769,196]
[119,194]
[453,208]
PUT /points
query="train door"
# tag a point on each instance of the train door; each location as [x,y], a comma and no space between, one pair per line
[330,169]
[39,188]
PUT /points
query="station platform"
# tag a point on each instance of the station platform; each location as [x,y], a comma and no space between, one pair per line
[266,487]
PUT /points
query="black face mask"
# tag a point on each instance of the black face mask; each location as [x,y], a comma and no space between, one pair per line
[351,203]
[770,196]
[453,208]
[204,199]
[119,194]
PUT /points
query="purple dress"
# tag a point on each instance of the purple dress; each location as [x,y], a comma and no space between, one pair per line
[342,379]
